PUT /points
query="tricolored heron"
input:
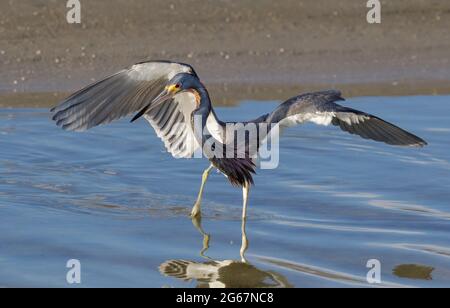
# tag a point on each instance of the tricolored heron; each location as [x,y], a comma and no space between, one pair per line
[170,95]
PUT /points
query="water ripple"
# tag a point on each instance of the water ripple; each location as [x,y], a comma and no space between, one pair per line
[430,249]
[408,207]
[344,228]
[323,273]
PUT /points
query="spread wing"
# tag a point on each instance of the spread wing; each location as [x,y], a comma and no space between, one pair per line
[172,124]
[320,108]
[127,92]
[116,96]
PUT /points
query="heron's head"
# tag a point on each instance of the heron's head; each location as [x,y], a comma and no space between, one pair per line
[179,83]
[182,82]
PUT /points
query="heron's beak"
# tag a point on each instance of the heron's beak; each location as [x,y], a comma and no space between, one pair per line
[167,93]
[161,98]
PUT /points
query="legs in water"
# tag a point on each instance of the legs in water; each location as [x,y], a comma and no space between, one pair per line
[244,245]
[196,210]
[196,213]
[197,222]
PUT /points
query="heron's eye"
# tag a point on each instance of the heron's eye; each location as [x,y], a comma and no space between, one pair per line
[177,86]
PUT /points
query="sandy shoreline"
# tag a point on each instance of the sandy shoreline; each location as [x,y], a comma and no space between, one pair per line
[241,50]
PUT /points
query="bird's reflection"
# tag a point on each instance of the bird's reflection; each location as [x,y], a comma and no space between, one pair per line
[222,274]
[197,222]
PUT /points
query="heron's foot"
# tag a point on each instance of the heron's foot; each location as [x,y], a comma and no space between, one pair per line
[196,210]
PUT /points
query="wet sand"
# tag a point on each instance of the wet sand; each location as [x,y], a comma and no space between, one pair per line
[241,50]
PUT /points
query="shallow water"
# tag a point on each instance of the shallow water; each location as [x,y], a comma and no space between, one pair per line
[113,199]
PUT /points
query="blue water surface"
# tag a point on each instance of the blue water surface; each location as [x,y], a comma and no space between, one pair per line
[115,200]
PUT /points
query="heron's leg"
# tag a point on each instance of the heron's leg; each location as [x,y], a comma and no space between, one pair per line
[244,245]
[196,210]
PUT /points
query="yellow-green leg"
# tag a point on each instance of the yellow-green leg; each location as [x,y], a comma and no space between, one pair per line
[244,245]
[197,222]
[196,210]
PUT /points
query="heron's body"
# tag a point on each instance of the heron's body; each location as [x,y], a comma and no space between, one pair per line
[172,99]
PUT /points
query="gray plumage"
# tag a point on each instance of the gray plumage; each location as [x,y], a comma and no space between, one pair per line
[320,108]
[116,96]
[143,89]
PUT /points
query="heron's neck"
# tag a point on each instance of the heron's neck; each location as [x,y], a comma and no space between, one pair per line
[208,117]
[204,100]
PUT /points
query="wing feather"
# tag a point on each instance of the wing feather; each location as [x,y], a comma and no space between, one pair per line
[116,96]
[127,92]
[172,124]
[320,108]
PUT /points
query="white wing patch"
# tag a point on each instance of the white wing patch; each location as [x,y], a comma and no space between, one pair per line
[173,125]
[323,118]
[351,118]
[320,118]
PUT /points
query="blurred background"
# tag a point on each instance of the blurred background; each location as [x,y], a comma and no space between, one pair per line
[241,49]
